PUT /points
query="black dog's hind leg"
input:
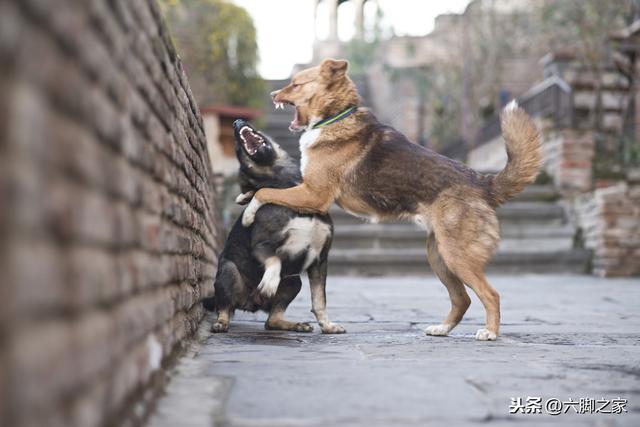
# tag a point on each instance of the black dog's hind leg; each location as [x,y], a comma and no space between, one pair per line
[318,280]
[227,279]
[209,303]
[287,290]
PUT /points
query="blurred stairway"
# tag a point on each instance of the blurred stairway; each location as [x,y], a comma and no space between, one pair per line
[277,121]
[536,238]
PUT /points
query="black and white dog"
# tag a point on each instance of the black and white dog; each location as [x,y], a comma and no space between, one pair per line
[260,266]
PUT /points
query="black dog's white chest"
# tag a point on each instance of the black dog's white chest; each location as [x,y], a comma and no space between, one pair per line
[305,234]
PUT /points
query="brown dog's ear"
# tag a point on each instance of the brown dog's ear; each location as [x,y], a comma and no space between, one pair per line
[333,68]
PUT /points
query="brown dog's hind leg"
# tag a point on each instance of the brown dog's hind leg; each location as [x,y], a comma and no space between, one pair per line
[491,301]
[472,274]
[460,300]
[467,233]
[287,291]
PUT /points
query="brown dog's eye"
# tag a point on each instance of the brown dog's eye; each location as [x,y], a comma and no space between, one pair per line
[296,85]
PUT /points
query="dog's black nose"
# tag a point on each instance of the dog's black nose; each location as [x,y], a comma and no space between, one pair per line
[239,123]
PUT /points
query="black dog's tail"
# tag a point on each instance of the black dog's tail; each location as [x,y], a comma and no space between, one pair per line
[209,303]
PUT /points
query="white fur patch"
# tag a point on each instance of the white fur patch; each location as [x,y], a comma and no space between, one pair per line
[422,222]
[485,335]
[511,106]
[439,330]
[249,214]
[305,234]
[307,139]
[271,279]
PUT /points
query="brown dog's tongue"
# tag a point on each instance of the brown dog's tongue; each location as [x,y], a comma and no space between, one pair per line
[295,123]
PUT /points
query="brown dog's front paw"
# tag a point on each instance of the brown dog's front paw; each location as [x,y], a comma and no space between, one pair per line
[244,198]
[486,335]
[249,214]
[441,330]
[332,328]
[219,327]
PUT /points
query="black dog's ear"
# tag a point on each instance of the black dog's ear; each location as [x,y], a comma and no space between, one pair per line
[333,68]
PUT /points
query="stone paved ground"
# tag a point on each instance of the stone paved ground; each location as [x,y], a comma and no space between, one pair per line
[562,337]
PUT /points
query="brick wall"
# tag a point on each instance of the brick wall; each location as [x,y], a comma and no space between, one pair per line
[108,234]
[610,220]
[568,155]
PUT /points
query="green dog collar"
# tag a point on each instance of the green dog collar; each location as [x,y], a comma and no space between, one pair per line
[336,118]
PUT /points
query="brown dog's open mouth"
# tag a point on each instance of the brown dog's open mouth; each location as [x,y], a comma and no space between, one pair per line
[295,125]
[251,141]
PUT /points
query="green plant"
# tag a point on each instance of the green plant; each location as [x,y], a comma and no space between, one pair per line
[217,42]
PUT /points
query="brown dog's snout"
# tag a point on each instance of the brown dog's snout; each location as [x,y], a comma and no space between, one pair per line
[274,93]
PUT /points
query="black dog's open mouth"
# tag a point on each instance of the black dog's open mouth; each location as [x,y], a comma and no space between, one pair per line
[251,141]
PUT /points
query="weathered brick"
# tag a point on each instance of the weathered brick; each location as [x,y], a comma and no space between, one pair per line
[36,279]
[87,409]
[611,222]
[110,222]
[95,285]
[40,365]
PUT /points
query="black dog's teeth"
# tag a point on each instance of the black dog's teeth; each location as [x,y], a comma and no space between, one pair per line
[251,146]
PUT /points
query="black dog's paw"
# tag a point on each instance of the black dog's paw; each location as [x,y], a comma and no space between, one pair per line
[303,327]
[332,328]
[219,327]
[285,325]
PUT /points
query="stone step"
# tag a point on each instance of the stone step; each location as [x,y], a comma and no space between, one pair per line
[377,262]
[408,230]
[291,147]
[280,130]
[526,238]
[277,119]
[513,212]
[538,193]
[537,212]
[286,139]
[281,135]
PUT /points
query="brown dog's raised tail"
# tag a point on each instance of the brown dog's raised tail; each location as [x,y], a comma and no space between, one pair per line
[524,154]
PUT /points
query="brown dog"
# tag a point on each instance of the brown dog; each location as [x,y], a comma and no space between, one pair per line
[373,171]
